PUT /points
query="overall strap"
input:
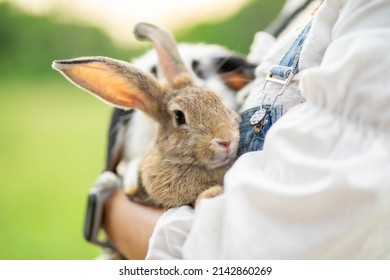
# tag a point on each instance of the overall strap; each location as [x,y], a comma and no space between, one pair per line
[257,121]
[281,74]
[289,64]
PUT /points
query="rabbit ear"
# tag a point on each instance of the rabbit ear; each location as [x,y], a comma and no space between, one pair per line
[116,82]
[171,63]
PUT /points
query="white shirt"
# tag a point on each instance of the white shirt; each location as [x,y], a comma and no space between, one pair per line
[320,189]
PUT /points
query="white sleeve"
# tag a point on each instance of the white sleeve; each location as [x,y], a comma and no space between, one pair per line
[320,187]
[170,234]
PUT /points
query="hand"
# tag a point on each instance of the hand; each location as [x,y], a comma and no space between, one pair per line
[129,225]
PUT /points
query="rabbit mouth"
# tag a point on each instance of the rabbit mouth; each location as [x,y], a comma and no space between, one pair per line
[220,163]
[223,162]
[224,157]
[224,150]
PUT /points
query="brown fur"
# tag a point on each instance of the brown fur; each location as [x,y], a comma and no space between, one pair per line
[209,193]
[188,158]
[172,185]
[183,163]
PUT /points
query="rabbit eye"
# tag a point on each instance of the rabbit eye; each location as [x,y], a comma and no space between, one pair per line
[180,118]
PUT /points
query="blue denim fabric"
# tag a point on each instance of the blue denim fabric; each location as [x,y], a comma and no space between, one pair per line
[251,141]
[291,58]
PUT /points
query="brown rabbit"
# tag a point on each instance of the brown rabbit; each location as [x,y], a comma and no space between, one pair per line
[197,136]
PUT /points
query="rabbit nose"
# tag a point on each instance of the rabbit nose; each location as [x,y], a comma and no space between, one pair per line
[222,143]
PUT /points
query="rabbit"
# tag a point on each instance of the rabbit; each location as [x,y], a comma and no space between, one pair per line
[196,137]
[131,132]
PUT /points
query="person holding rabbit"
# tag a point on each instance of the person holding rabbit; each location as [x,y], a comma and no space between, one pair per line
[197,137]
[317,186]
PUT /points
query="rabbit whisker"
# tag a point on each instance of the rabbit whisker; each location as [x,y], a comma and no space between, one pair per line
[185,171]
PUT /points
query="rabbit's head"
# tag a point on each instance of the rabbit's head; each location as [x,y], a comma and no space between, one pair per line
[195,127]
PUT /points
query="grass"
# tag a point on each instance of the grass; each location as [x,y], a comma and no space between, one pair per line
[52,146]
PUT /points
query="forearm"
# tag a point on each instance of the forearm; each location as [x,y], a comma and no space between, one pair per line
[129,225]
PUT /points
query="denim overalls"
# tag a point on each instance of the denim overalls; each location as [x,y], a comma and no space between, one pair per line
[252,139]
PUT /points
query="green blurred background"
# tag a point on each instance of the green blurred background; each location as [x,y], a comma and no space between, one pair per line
[53,136]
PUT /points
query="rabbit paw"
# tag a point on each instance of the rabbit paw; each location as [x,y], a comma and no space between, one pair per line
[106,180]
[209,193]
[130,178]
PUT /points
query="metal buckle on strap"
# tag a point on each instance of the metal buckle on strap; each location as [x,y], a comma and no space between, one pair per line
[278,74]
[285,79]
